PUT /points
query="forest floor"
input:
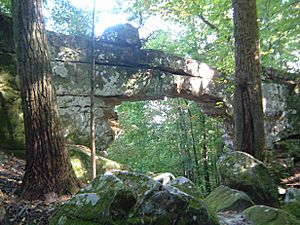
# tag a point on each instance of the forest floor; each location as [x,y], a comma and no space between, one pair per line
[22,212]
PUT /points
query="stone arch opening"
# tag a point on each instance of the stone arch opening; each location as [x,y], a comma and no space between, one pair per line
[163,141]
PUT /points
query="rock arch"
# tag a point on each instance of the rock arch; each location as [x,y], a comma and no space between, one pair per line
[125,72]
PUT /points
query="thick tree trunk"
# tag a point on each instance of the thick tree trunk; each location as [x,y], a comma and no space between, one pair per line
[48,167]
[249,127]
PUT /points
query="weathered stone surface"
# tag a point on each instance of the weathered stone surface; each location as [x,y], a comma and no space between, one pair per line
[264,215]
[226,199]
[81,160]
[127,73]
[128,198]
[241,171]
[282,112]
[123,35]
[187,186]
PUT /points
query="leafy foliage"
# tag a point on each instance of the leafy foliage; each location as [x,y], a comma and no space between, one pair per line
[67,19]
[5,7]
[159,136]
[209,35]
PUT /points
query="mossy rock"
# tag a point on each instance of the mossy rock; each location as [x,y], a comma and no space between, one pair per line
[293,207]
[265,215]
[226,199]
[126,198]
[80,159]
[241,171]
[106,199]
[187,186]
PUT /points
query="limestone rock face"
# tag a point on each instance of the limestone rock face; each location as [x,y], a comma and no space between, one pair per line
[133,199]
[125,72]
[264,215]
[282,113]
[241,171]
[226,199]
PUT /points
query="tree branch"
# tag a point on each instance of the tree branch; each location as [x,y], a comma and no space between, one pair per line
[200,16]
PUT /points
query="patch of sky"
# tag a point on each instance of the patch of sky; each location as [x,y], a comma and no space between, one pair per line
[108,13]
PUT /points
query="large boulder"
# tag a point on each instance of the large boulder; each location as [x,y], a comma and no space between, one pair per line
[265,215]
[132,199]
[241,171]
[226,199]
[81,160]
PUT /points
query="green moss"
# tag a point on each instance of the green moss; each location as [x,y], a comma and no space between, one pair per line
[293,207]
[241,171]
[125,198]
[80,159]
[63,220]
[187,186]
[224,198]
[264,215]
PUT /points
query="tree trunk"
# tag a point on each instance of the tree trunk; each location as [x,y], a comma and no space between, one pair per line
[197,167]
[205,158]
[249,127]
[48,167]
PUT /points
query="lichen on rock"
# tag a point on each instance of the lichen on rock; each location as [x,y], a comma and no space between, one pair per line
[224,199]
[241,171]
[265,215]
[128,198]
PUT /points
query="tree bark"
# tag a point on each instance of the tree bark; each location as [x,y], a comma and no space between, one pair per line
[205,158]
[48,167]
[249,127]
[196,161]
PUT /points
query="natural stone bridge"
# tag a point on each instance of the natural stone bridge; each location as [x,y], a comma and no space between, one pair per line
[125,72]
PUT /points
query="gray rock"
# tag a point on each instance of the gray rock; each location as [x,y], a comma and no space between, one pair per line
[187,186]
[265,215]
[239,170]
[130,198]
[291,194]
[226,199]
[122,34]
